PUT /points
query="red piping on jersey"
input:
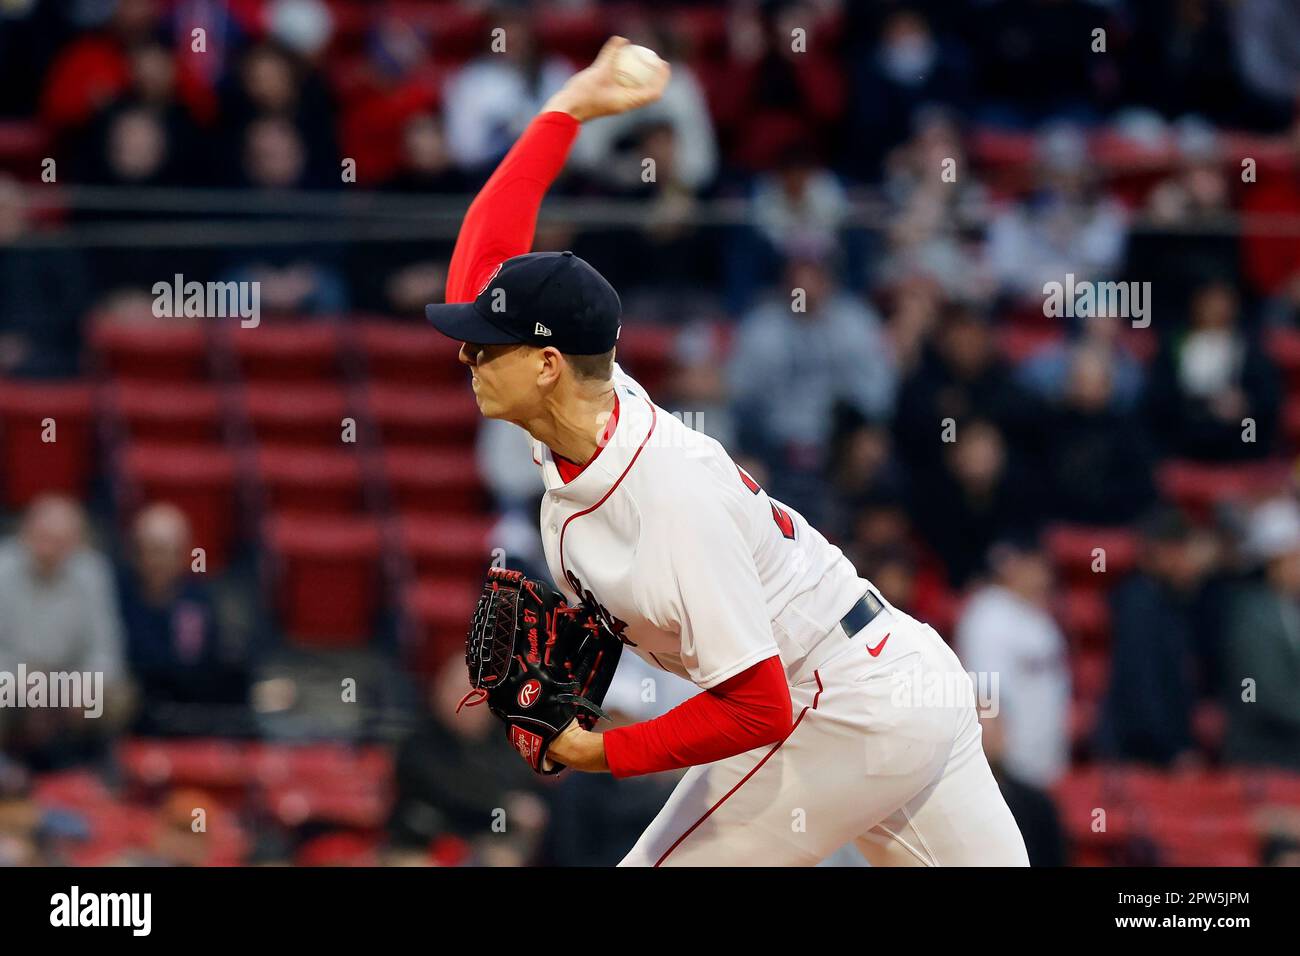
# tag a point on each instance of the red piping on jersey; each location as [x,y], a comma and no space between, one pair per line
[743,780]
[654,420]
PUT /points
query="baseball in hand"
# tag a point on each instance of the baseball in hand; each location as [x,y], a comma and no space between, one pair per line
[636,65]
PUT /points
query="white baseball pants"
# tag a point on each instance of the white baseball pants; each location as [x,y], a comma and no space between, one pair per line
[874,759]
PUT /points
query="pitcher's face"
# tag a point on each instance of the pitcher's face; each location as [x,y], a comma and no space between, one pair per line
[504,378]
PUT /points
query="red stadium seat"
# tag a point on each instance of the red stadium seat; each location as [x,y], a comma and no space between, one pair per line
[217,764]
[169,350]
[70,789]
[1280,788]
[646,353]
[575,34]
[22,145]
[402,353]
[445,547]
[325,577]
[46,439]
[432,482]
[198,479]
[1019,342]
[1091,672]
[1205,839]
[1197,488]
[1072,549]
[287,352]
[1291,422]
[436,612]
[164,411]
[1085,616]
[309,480]
[423,417]
[302,415]
[1284,347]
[330,764]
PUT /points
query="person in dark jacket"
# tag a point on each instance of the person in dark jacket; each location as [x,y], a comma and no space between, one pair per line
[1261,670]
[173,641]
[1098,460]
[1162,618]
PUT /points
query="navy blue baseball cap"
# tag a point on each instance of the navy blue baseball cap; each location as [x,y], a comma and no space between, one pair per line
[540,299]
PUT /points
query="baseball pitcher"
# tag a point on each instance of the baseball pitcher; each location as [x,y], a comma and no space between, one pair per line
[826,715]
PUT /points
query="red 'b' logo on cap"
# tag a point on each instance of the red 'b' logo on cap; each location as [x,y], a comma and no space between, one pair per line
[529,693]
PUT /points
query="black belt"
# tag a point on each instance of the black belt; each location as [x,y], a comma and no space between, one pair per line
[861,614]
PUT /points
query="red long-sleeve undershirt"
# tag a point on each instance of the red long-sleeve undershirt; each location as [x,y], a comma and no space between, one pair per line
[746,711]
[503,217]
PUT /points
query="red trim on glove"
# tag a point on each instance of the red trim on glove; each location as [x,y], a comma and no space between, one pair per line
[751,709]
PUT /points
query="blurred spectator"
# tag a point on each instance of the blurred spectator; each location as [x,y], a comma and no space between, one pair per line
[1271,259]
[697,383]
[959,375]
[273,82]
[1006,631]
[914,304]
[173,641]
[1161,622]
[1189,220]
[490,100]
[58,614]
[978,495]
[295,278]
[1067,226]
[400,277]
[424,164]
[1031,805]
[1262,654]
[907,69]
[396,85]
[863,462]
[1047,372]
[1208,380]
[777,94]
[1267,35]
[44,291]
[1097,460]
[607,148]
[666,242]
[928,236]
[1174,60]
[790,368]
[97,67]
[1048,40]
[892,571]
[457,776]
[797,208]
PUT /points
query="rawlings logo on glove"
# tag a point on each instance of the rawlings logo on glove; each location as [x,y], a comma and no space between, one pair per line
[538,662]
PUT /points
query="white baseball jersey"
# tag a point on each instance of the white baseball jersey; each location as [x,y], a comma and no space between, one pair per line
[695,565]
[691,561]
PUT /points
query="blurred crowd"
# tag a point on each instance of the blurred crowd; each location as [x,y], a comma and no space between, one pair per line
[911,177]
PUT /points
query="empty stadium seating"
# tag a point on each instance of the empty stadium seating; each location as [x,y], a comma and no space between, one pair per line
[46,439]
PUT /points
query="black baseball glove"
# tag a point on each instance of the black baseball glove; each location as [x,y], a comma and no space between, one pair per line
[539,662]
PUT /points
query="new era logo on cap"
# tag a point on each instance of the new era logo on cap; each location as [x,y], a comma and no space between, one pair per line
[543,298]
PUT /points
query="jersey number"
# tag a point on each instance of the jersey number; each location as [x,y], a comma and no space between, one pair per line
[779,514]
